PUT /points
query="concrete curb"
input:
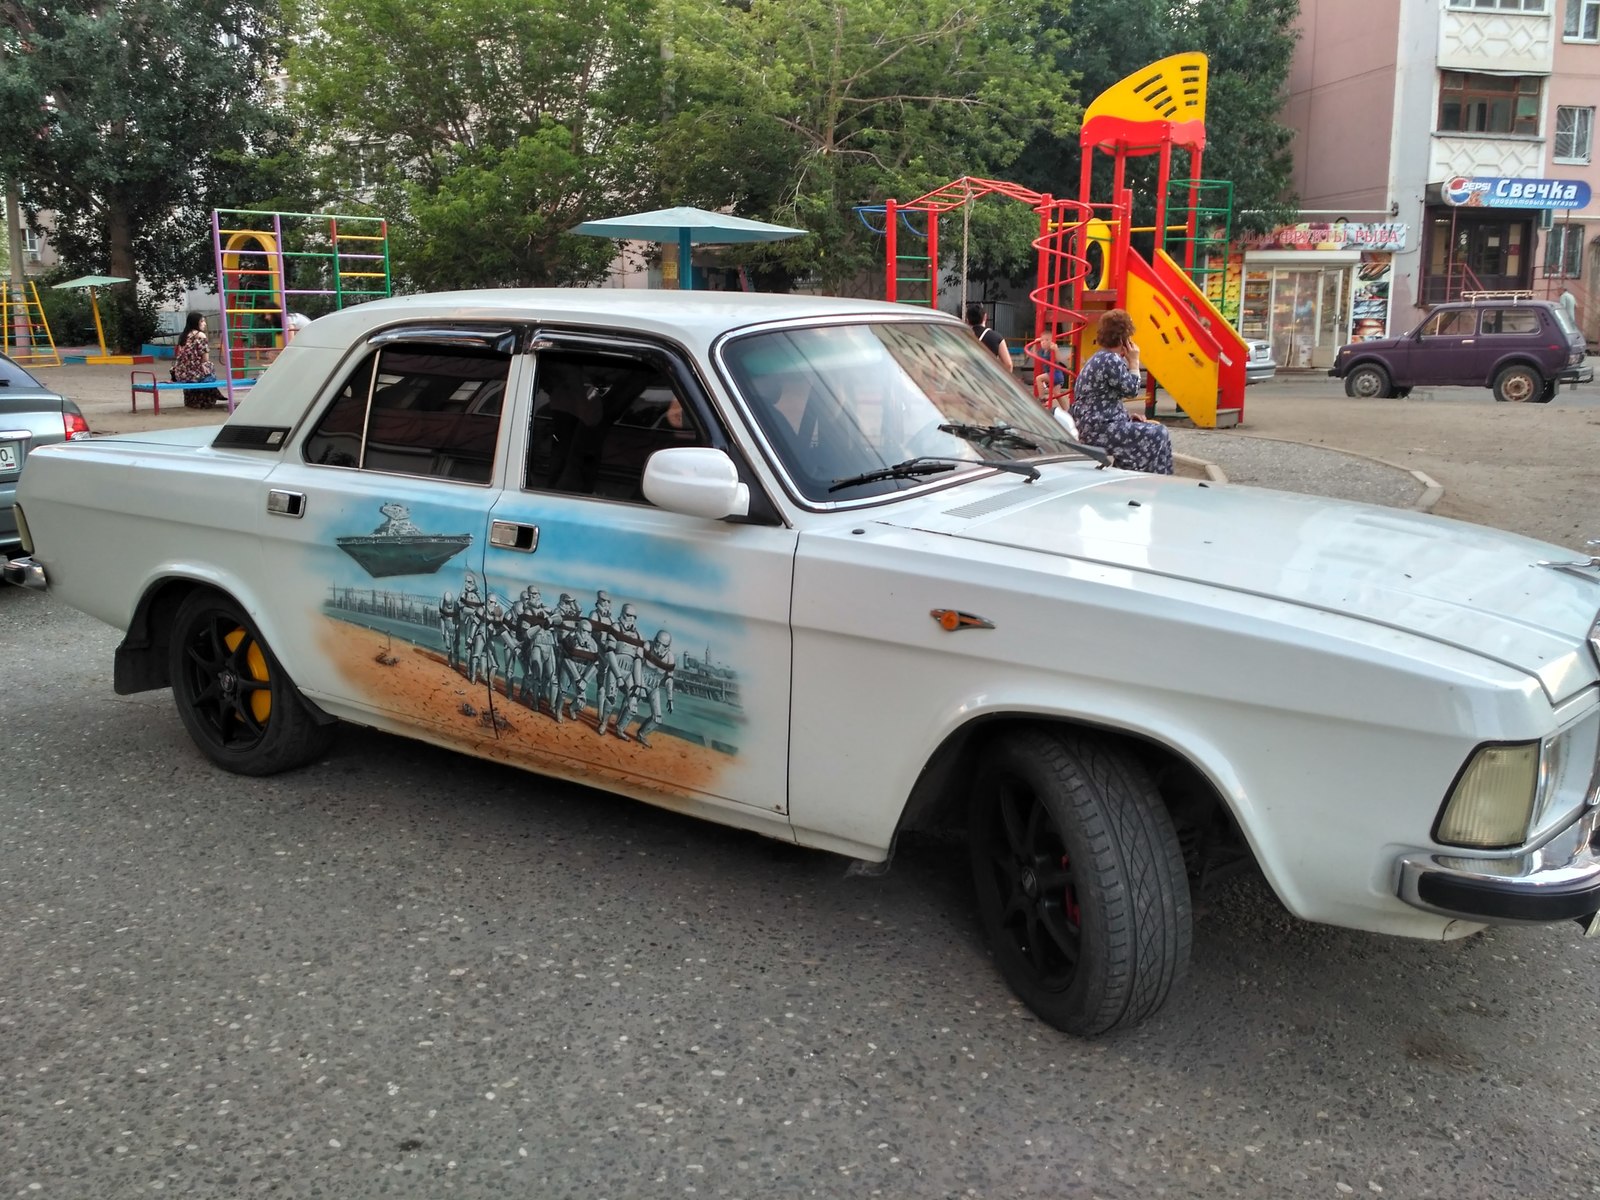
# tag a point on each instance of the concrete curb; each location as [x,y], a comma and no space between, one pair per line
[1432,489]
[1213,473]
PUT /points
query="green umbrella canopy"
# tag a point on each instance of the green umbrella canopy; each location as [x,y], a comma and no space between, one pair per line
[89,281]
[686,226]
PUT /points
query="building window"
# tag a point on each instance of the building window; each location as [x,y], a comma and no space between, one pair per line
[1563,250]
[1528,6]
[1583,20]
[1574,134]
[30,244]
[1488,103]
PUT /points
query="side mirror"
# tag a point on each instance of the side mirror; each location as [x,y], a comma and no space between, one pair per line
[698,481]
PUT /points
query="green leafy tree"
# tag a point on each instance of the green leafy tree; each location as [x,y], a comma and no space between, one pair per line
[484,128]
[799,110]
[131,120]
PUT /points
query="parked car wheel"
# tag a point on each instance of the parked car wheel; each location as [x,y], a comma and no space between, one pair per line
[1080,880]
[234,699]
[1367,382]
[1518,384]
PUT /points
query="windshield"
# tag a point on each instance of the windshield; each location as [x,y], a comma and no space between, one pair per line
[838,402]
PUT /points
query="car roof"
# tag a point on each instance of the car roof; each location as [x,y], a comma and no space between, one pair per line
[691,319]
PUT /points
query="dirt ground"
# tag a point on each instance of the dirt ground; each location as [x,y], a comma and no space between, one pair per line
[1533,469]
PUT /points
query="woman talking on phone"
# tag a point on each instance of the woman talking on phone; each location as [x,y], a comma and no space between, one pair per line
[1107,380]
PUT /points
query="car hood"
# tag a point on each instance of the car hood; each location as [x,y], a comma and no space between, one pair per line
[1467,586]
[1373,344]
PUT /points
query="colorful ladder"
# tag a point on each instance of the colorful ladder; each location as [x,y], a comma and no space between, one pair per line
[26,337]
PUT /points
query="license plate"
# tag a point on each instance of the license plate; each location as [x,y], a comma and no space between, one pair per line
[10,456]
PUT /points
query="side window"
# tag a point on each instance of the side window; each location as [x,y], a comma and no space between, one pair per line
[597,418]
[1456,322]
[1510,320]
[416,410]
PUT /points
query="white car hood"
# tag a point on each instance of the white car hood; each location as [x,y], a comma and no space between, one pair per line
[1463,585]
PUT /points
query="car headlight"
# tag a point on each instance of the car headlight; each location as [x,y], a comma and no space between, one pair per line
[1491,805]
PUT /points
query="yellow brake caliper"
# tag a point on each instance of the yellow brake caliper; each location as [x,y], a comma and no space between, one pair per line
[261,699]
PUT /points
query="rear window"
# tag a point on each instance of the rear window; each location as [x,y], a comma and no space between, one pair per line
[1510,320]
[12,375]
[1568,325]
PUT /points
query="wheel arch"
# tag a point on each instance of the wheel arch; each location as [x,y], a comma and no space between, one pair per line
[141,660]
[1516,358]
[1196,798]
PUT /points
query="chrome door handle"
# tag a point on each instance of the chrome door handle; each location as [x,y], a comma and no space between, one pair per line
[286,504]
[1468,341]
[510,536]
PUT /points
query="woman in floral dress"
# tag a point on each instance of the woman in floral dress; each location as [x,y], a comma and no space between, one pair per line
[1110,377]
[191,363]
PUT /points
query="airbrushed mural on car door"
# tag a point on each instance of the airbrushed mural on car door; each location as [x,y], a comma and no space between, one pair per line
[569,663]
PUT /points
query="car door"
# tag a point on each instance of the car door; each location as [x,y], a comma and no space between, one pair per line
[373,534]
[643,647]
[1443,351]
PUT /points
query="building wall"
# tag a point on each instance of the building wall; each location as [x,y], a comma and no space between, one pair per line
[1576,83]
[1341,99]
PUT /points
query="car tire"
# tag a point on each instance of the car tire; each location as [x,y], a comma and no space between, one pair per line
[233,696]
[1080,880]
[1368,382]
[1518,384]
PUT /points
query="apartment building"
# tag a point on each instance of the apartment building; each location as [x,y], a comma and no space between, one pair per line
[1441,147]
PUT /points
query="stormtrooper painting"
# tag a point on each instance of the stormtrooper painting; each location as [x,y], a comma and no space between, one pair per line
[650,683]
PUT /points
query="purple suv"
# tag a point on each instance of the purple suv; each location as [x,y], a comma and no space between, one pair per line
[1523,349]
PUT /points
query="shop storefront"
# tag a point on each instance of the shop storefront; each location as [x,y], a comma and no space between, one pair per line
[1480,232]
[1310,288]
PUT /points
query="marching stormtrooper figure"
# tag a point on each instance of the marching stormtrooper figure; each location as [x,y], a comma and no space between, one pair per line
[618,665]
[601,620]
[536,648]
[450,627]
[580,657]
[470,620]
[652,673]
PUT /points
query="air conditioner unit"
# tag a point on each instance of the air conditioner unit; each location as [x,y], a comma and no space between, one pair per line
[1547,218]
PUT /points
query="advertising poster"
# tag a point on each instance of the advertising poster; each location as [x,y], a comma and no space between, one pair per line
[1369,302]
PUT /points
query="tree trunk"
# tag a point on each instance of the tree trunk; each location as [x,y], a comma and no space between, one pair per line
[119,241]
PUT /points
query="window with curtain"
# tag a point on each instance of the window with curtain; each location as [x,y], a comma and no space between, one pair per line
[1583,20]
[1563,250]
[1574,134]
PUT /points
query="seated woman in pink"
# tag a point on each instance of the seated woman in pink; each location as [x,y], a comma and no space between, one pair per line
[191,363]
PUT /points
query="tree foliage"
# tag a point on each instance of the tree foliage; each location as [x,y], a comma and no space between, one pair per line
[1249,44]
[493,125]
[131,120]
[799,110]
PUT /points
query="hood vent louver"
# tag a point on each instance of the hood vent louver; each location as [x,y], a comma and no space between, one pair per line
[994,504]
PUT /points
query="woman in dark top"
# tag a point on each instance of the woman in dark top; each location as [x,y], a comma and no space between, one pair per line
[191,363]
[992,341]
[1110,377]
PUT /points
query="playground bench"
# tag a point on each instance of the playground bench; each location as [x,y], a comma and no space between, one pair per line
[149,383]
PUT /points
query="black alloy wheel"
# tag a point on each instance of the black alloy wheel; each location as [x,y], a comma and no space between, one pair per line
[238,705]
[1080,880]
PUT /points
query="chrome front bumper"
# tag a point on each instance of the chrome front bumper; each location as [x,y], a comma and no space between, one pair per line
[1557,881]
[24,572]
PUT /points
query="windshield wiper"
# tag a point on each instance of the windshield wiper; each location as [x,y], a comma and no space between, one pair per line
[989,435]
[927,465]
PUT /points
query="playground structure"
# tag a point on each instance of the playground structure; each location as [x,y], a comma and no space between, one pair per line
[1087,263]
[265,259]
[25,335]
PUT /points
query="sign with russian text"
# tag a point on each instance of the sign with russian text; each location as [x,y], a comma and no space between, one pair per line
[1495,191]
[1331,235]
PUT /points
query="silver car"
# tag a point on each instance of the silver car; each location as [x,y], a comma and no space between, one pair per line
[31,415]
[1259,367]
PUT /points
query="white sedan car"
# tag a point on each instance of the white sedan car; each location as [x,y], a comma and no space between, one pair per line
[819,569]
